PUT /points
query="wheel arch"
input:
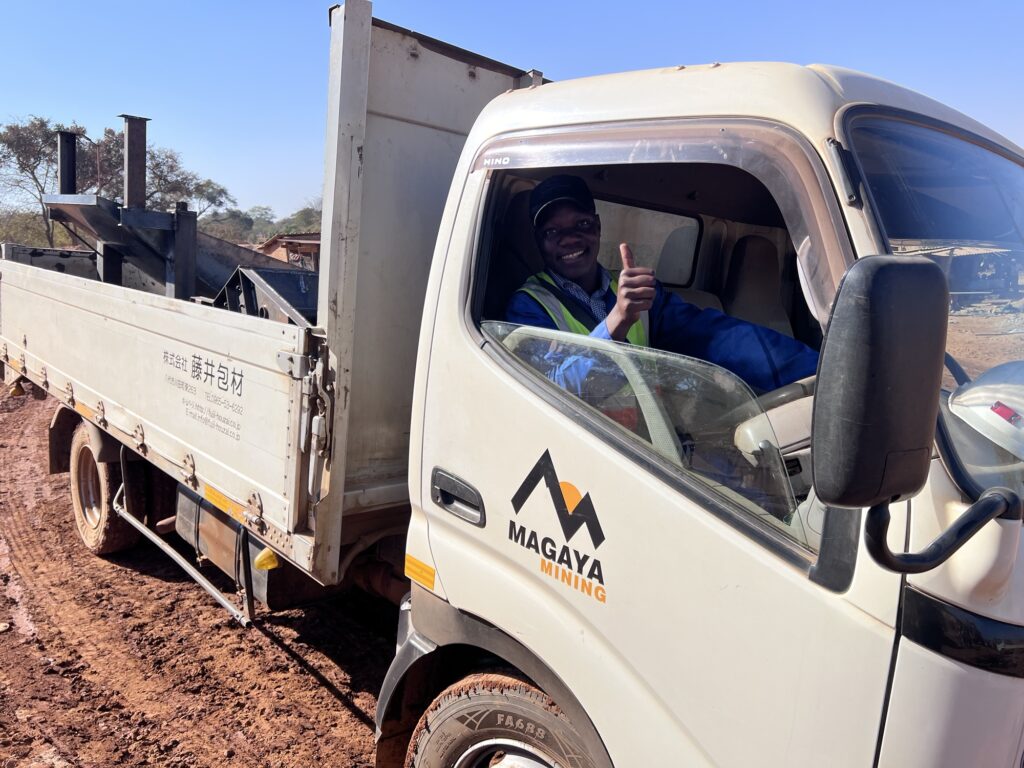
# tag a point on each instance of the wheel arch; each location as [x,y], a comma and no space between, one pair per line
[62,428]
[63,424]
[443,646]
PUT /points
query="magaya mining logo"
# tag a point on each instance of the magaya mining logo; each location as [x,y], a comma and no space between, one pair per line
[573,568]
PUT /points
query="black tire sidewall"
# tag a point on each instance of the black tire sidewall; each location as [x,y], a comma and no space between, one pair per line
[515,713]
[112,534]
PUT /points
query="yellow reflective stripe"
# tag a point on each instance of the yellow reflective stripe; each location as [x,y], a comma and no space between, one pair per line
[560,316]
[563,318]
[223,503]
[419,572]
[636,334]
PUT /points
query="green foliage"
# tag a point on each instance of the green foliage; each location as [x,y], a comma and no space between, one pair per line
[303,220]
[264,225]
[28,166]
[257,225]
[230,224]
[26,227]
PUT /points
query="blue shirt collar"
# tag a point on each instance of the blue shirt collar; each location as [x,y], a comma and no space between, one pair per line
[574,289]
[596,300]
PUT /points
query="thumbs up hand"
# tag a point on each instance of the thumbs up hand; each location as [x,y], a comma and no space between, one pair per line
[635,295]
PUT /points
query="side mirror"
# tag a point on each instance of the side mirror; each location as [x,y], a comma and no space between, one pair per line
[877,394]
[877,403]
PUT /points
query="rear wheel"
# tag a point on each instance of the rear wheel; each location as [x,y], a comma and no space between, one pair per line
[495,721]
[93,486]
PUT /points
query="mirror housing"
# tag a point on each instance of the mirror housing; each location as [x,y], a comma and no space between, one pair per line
[877,396]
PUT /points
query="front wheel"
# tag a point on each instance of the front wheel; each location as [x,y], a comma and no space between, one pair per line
[495,720]
[93,486]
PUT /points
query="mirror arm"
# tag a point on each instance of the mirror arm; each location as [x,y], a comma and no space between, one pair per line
[995,502]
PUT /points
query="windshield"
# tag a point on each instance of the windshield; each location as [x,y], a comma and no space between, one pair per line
[962,205]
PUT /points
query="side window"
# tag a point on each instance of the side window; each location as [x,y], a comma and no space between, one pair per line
[666,242]
[697,416]
[741,223]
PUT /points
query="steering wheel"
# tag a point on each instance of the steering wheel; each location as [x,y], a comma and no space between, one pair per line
[774,398]
[956,370]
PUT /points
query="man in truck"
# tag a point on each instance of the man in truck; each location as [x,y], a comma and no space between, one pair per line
[575,293]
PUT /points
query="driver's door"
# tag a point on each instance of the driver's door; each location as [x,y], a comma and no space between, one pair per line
[672,594]
[640,535]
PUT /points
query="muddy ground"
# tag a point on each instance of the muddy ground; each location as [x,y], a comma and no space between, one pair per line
[125,661]
[986,334]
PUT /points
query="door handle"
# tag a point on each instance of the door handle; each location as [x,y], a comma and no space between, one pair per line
[457,496]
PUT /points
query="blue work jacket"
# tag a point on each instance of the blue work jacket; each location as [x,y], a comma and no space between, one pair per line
[763,358]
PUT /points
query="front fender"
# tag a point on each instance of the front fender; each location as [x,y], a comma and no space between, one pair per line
[440,635]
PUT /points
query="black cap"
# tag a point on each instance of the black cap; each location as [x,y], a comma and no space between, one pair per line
[556,189]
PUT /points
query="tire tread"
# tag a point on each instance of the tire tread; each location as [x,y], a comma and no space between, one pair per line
[113,534]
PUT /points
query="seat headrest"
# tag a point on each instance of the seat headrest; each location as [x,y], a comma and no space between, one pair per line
[515,257]
[517,242]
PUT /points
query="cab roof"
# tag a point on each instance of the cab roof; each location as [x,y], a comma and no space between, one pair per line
[807,98]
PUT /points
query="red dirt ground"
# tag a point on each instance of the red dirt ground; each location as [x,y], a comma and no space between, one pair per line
[125,661]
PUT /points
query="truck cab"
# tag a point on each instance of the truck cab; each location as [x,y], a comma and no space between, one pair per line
[652,554]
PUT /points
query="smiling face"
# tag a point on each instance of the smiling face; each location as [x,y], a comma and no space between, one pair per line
[569,239]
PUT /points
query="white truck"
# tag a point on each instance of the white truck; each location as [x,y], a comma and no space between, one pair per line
[671,570]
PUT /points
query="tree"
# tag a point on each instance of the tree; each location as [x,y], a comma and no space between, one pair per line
[100,164]
[19,226]
[252,226]
[230,224]
[167,182]
[257,225]
[303,220]
[28,171]
[28,164]
[264,225]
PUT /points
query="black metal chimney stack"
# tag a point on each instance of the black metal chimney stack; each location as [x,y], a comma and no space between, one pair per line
[67,162]
[134,161]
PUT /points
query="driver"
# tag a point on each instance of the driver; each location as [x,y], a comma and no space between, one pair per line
[574,293]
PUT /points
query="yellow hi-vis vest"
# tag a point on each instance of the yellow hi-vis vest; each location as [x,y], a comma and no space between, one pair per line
[537,287]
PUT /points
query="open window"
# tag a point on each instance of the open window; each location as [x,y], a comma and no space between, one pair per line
[729,227]
[713,234]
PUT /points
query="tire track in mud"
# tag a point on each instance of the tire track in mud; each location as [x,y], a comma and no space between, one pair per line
[37,679]
[75,641]
[141,667]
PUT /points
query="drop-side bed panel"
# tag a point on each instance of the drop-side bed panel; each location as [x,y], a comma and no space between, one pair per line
[400,106]
[194,384]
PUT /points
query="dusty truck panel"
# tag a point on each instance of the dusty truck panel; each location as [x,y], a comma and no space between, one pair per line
[199,390]
[399,109]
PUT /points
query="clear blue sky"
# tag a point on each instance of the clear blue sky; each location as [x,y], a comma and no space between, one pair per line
[239,88]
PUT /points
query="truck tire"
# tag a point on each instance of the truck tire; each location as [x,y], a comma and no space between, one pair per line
[491,720]
[93,486]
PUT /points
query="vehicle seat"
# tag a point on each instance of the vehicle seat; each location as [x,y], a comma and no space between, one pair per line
[701,299]
[671,254]
[515,258]
[753,286]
